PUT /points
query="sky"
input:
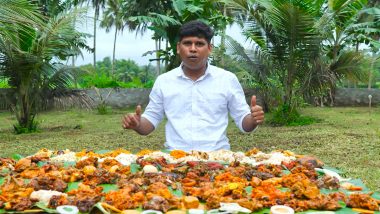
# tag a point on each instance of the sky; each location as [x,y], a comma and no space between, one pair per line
[128,44]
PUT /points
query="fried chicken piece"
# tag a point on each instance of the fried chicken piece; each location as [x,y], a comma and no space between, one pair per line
[310,162]
[85,197]
[159,189]
[91,161]
[305,189]
[100,176]
[269,193]
[72,175]
[7,163]
[48,183]
[364,201]
[157,203]
[14,195]
[328,182]
[213,202]
[109,163]
[255,181]
[31,172]
[121,199]
[321,202]
[20,204]
[309,172]
[252,204]
[290,179]
[23,164]
[59,200]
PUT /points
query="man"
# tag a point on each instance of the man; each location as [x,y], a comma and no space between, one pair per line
[196,98]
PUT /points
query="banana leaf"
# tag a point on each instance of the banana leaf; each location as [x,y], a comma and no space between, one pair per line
[17,157]
[109,187]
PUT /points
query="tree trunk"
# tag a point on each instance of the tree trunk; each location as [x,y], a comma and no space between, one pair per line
[113,54]
[94,44]
[223,41]
[74,74]
[166,61]
[158,62]
[24,114]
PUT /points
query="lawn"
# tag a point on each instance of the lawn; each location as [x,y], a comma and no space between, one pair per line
[345,138]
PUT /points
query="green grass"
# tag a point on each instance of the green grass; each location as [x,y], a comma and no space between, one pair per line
[345,138]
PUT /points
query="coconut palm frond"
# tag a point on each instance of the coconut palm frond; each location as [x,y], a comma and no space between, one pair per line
[21,12]
[155,19]
[352,65]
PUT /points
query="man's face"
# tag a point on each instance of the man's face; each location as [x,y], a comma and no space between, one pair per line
[194,52]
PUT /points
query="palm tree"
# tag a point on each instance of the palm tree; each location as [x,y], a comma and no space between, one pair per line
[30,51]
[284,31]
[166,23]
[97,5]
[113,17]
[295,36]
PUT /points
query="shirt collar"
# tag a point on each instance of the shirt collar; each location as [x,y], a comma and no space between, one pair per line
[208,71]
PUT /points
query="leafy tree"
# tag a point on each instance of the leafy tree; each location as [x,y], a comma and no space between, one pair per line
[166,23]
[305,42]
[127,74]
[283,31]
[30,49]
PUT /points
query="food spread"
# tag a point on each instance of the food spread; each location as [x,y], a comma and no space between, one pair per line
[221,181]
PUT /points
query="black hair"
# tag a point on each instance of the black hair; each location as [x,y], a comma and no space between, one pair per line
[196,28]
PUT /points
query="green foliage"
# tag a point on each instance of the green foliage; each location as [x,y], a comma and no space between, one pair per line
[101,80]
[103,109]
[166,18]
[30,50]
[31,127]
[4,83]
[285,115]
[127,75]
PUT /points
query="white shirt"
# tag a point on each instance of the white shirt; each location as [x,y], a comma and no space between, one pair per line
[197,111]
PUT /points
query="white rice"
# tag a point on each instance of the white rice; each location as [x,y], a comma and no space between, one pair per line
[126,159]
[67,157]
[45,195]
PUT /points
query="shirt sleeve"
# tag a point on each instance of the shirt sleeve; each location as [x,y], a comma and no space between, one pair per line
[154,111]
[237,104]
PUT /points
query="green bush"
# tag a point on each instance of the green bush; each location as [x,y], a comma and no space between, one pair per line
[136,83]
[103,109]
[31,128]
[284,115]
[99,81]
[104,81]
[4,83]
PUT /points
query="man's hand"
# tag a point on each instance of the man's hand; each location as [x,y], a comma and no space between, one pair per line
[257,112]
[132,120]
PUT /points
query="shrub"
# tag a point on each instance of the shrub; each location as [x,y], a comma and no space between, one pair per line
[30,128]
[4,83]
[103,109]
[99,81]
[285,115]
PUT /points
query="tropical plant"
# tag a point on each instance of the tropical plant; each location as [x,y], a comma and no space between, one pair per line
[30,50]
[127,75]
[342,27]
[307,42]
[166,23]
[97,5]
[283,31]
[113,17]
[253,71]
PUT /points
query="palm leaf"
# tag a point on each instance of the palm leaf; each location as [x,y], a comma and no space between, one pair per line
[155,19]
[352,65]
